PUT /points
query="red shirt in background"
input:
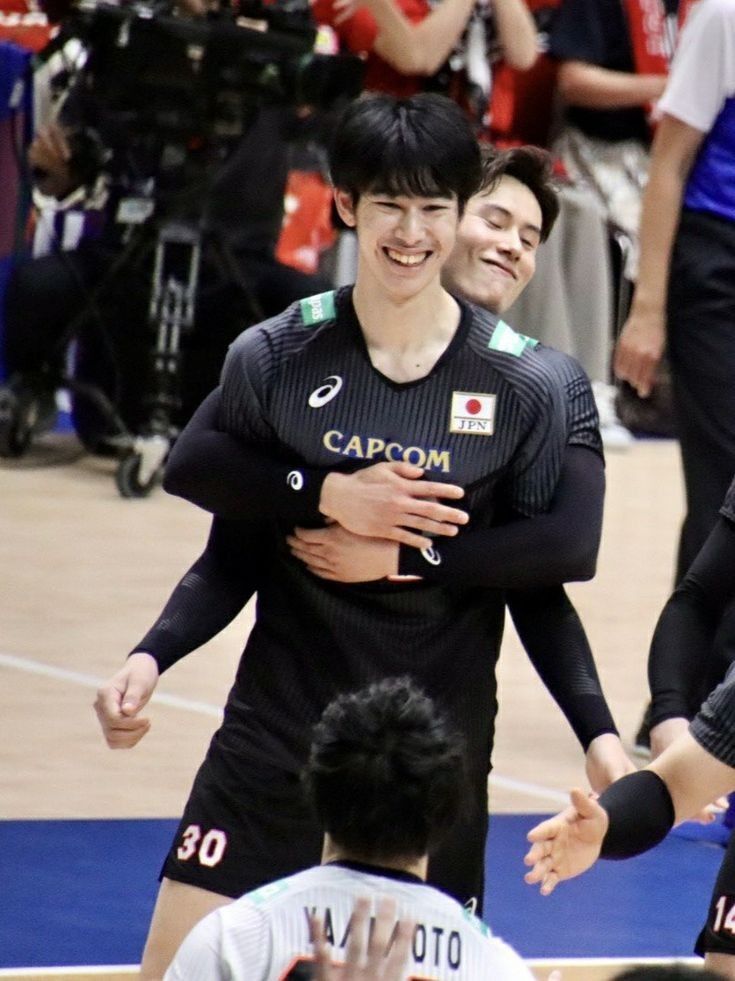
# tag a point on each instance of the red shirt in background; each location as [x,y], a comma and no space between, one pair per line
[358,34]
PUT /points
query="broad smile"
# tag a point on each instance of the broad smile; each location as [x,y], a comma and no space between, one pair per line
[406,259]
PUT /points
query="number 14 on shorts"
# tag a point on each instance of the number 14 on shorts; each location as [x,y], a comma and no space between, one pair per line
[724,910]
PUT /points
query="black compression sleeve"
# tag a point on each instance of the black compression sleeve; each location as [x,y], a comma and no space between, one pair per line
[683,640]
[554,638]
[641,814]
[226,477]
[210,594]
[560,546]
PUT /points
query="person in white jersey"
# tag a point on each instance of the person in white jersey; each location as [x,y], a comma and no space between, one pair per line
[385,778]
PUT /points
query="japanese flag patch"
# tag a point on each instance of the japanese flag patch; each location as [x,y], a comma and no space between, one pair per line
[472,413]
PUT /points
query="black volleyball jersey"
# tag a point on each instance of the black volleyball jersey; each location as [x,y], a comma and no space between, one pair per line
[583,423]
[489,416]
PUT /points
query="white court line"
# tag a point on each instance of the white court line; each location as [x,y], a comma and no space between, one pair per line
[31,666]
[531,789]
[89,681]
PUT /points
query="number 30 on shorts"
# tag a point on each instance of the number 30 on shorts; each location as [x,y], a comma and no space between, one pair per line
[208,848]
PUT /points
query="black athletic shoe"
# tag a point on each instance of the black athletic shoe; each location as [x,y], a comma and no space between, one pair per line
[642,741]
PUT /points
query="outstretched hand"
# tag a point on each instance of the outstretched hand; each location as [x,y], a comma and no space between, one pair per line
[377,954]
[121,698]
[566,845]
[389,500]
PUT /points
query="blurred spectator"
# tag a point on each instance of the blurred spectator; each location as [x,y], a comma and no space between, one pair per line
[449,46]
[613,62]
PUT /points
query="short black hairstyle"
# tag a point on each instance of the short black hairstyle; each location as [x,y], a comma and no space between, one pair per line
[386,776]
[422,146]
[531,166]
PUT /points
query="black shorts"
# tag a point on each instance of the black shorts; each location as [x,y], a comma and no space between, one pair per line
[234,838]
[718,933]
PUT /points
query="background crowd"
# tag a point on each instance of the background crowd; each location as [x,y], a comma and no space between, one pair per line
[130,264]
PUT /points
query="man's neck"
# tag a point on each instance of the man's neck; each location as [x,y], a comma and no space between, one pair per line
[405,337]
[332,852]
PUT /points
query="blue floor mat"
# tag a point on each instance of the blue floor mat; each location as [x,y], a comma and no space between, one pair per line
[81,892]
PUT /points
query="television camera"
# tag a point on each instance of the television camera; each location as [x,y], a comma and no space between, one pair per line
[165,98]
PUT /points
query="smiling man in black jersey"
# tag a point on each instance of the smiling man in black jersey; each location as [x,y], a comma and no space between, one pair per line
[390,371]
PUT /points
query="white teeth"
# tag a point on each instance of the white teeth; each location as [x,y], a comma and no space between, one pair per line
[406,260]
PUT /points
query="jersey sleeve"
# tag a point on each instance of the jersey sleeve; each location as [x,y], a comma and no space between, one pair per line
[714,725]
[556,643]
[209,595]
[728,505]
[534,470]
[234,479]
[682,645]
[703,70]
[556,547]
[228,943]
[583,422]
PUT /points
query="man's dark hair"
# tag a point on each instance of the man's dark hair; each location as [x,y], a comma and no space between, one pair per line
[385,775]
[422,146]
[531,166]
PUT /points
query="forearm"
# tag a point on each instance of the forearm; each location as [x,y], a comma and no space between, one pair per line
[418,48]
[671,161]
[593,87]
[556,547]
[693,776]
[681,649]
[557,646]
[517,33]
[209,596]
[233,480]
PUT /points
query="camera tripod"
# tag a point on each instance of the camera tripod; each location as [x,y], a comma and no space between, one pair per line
[173,249]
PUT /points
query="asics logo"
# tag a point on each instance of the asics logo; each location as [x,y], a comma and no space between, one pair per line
[431,555]
[326,392]
[295,480]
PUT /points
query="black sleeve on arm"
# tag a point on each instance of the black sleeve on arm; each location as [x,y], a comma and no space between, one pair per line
[552,548]
[557,646]
[210,595]
[641,814]
[227,477]
[682,641]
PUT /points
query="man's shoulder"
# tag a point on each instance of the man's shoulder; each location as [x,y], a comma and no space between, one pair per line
[294,327]
[513,354]
[563,365]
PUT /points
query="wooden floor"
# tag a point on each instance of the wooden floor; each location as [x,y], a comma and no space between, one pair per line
[85,572]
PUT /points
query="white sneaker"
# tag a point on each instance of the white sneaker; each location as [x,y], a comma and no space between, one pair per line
[614,434]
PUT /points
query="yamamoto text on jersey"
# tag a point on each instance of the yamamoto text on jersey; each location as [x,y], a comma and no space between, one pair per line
[434,946]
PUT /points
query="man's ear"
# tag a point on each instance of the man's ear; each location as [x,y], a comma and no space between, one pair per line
[345,207]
